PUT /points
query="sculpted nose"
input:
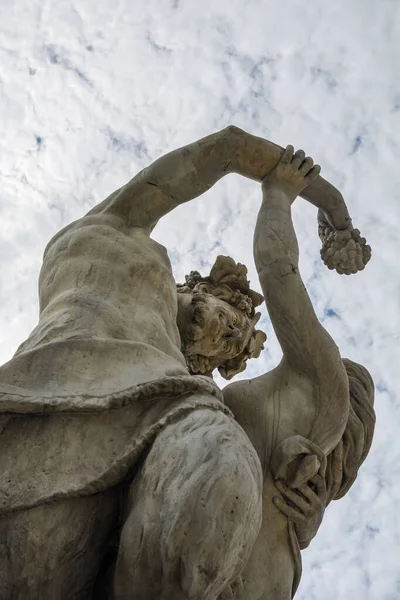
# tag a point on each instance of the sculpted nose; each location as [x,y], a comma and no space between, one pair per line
[234,332]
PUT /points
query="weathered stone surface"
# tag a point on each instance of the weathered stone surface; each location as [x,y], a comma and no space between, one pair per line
[124,471]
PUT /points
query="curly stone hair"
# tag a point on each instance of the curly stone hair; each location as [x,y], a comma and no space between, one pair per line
[350,453]
[227,281]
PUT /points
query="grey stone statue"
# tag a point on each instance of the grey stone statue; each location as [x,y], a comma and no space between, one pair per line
[125,472]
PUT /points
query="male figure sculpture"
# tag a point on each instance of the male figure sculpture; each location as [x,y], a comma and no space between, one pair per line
[123,473]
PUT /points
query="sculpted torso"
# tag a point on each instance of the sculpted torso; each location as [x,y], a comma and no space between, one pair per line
[102,277]
[282,397]
[271,408]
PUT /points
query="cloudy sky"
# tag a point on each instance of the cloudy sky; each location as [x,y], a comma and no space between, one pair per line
[91,92]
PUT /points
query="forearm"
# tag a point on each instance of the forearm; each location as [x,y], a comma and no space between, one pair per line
[327,198]
[305,343]
[188,172]
[173,179]
[256,157]
[275,241]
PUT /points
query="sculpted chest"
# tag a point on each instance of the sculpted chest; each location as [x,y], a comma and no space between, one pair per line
[271,408]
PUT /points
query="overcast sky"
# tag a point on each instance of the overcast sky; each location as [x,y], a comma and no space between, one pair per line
[92,91]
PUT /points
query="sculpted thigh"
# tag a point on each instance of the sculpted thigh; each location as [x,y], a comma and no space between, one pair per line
[54,551]
[192,513]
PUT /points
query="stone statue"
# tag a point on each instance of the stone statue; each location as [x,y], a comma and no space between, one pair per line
[125,472]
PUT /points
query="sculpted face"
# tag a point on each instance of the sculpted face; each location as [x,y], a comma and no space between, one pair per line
[217,320]
[211,327]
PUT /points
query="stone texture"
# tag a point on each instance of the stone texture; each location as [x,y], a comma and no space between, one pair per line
[124,471]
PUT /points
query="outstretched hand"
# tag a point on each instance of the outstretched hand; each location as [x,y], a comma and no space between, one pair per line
[304,506]
[293,173]
[344,250]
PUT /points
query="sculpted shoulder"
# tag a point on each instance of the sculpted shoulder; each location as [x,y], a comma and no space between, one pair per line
[274,406]
[102,220]
[98,257]
[250,401]
[102,237]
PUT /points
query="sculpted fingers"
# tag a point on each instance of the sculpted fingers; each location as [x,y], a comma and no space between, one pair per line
[320,485]
[287,155]
[307,492]
[292,174]
[293,497]
[307,165]
[298,158]
[304,166]
[315,171]
[288,511]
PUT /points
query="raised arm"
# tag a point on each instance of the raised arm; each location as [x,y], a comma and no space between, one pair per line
[307,347]
[188,172]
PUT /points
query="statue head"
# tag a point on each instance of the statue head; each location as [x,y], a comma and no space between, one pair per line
[217,319]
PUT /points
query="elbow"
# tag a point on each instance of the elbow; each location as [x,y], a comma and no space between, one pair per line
[304,545]
[231,140]
[233,131]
